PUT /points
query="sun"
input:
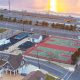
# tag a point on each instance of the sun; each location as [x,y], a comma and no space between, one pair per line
[53,5]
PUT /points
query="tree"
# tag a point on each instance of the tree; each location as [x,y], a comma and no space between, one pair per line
[52,25]
[9,19]
[5,19]
[36,23]
[14,20]
[1,17]
[79,51]
[45,23]
[30,22]
[75,56]
[25,22]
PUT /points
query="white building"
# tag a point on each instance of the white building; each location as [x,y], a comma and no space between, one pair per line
[36,38]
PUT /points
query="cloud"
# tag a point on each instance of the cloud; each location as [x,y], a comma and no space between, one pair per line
[70,6]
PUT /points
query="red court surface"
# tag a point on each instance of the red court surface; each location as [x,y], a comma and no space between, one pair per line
[55,48]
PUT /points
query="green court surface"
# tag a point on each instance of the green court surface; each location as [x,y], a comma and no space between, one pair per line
[52,53]
[56,48]
[64,42]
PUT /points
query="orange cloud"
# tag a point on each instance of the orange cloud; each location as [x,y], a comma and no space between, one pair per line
[68,6]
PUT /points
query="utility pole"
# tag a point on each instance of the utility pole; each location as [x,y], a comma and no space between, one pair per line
[9,4]
[38,57]
[23,21]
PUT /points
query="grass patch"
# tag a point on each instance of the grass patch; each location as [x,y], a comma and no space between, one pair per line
[48,77]
[2,30]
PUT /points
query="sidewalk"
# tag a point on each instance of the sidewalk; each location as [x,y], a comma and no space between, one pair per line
[11,77]
[66,66]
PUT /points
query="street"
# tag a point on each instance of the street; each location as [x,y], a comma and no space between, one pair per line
[55,69]
[51,68]
[39,29]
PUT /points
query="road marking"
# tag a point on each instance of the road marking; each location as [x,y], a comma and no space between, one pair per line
[65,75]
[48,66]
[69,76]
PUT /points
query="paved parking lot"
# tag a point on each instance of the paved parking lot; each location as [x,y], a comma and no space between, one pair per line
[15,41]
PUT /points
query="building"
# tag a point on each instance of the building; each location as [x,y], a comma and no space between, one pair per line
[10,63]
[36,38]
[35,75]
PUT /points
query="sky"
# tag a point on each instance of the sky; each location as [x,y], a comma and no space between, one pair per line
[72,6]
[67,6]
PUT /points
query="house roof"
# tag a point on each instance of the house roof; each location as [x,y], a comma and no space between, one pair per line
[4,56]
[2,62]
[36,36]
[35,75]
[15,60]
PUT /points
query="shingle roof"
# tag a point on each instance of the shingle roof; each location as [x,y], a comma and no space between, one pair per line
[4,56]
[36,36]
[35,75]
[15,60]
[2,62]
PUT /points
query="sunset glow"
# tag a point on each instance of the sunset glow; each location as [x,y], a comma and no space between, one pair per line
[53,5]
[59,6]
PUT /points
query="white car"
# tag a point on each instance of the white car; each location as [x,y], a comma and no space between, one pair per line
[78,37]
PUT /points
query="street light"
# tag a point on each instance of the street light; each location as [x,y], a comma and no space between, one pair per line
[37,57]
[22,20]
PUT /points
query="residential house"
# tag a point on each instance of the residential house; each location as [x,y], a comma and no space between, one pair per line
[35,75]
[11,63]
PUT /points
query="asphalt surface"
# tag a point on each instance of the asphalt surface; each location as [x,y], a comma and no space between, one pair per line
[56,70]
[75,75]
[51,68]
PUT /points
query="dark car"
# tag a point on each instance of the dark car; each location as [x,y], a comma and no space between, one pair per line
[26,45]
